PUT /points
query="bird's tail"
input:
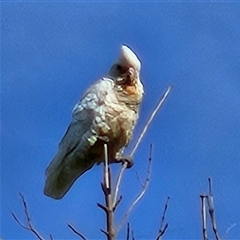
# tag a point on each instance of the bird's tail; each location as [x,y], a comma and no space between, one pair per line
[62,172]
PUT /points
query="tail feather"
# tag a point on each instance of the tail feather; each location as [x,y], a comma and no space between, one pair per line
[62,173]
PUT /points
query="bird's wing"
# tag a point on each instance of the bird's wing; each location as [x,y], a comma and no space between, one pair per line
[70,162]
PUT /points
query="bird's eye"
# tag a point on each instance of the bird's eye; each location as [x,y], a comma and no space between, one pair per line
[119,67]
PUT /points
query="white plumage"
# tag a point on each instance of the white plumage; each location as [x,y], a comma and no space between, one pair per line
[107,112]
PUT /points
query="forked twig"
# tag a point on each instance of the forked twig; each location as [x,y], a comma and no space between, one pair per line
[160,103]
[111,198]
[29,225]
[207,201]
[138,198]
[163,227]
[124,165]
[76,232]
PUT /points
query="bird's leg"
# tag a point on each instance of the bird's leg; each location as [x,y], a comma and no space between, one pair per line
[127,159]
[124,159]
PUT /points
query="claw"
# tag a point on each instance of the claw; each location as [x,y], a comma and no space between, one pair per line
[127,159]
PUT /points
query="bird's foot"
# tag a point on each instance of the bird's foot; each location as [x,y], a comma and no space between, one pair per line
[125,159]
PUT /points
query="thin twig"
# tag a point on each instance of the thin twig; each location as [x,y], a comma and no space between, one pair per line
[133,238]
[211,210]
[29,225]
[204,217]
[164,213]
[117,202]
[163,226]
[103,231]
[231,227]
[139,180]
[210,186]
[19,223]
[138,198]
[102,207]
[76,232]
[128,231]
[160,103]
[162,231]
[120,175]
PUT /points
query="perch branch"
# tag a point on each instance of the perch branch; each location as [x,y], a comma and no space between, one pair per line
[76,232]
[138,198]
[29,225]
[108,209]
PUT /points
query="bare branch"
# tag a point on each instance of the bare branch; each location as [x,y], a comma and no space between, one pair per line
[102,207]
[231,227]
[111,198]
[164,212]
[19,223]
[138,178]
[163,227]
[106,168]
[160,103]
[212,216]
[133,238]
[29,225]
[204,217]
[162,231]
[103,231]
[117,202]
[211,210]
[76,232]
[138,198]
[120,175]
[108,209]
[105,190]
[128,231]
[210,186]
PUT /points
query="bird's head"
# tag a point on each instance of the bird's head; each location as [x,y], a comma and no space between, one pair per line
[125,72]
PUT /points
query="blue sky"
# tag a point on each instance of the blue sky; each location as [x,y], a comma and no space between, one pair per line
[51,52]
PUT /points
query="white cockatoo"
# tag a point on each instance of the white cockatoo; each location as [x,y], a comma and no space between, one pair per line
[107,113]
